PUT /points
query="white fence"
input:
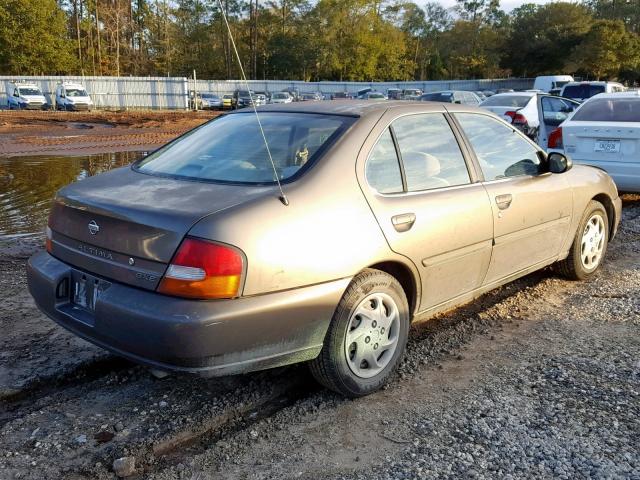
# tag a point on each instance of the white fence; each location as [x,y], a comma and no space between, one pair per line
[173,92]
[115,92]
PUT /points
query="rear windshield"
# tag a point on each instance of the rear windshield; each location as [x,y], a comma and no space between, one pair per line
[609,110]
[438,97]
[582,91]
[231,149]
[517,101]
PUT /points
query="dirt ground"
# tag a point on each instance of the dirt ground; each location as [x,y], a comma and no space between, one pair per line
[538,379]
[30,133]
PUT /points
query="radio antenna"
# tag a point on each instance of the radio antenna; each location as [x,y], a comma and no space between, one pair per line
[283,198]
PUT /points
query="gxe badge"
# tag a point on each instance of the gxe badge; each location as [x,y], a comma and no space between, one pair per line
[93,227]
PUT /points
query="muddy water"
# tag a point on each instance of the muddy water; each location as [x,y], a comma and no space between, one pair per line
[28,184]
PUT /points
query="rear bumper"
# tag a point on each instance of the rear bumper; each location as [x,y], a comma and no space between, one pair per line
[205,337]
[626,175]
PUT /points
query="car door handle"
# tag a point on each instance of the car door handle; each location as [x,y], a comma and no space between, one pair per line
[403,222]
[504,201]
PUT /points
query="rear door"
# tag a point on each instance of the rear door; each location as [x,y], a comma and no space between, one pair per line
[429,204]
[531,210]
[552,111]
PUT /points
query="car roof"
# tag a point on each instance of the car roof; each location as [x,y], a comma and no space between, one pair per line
[353,108]
[517,94]
[628,94]
[594,82]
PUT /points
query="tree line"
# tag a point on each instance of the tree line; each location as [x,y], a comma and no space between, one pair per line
[345,40]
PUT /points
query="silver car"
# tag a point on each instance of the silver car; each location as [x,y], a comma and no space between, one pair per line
[208,258]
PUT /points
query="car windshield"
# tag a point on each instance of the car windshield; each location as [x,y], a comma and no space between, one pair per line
[411,92]
[231,148]
[376,95]
[582,91]
[438,97]
[517,101]
[30,91]
[609,110]
[76,92]
[228,96]
[209,95]
[246,94]
[280,95]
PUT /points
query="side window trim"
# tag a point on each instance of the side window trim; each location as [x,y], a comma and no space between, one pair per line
[477,175]
[403,174]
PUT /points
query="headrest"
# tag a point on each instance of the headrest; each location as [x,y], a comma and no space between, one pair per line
[420,161]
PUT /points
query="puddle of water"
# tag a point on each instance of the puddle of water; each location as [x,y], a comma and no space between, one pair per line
[28,184]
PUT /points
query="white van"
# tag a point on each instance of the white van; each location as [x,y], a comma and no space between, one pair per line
[25,96]
[551,83]
[72,96]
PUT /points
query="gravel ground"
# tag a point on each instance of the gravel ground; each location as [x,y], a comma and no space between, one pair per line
[538,379]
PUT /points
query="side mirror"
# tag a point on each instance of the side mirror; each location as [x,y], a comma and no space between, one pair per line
[62,95]
[458,102]
[16,94]
[558,163]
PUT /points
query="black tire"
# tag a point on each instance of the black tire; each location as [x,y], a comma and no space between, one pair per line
[572,267]
[331,367]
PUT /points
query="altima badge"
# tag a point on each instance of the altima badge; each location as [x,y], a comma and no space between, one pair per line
[93,227]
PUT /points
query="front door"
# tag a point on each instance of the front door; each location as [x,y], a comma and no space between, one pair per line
[531,210]
[428,206]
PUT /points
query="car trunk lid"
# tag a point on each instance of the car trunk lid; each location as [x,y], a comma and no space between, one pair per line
[602,141]
[125,225]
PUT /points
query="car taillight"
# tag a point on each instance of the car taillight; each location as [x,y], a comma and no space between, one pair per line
[516,118]
[203,270]
[47,242]
[555,138]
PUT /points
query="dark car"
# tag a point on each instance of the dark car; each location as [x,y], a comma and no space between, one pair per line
[452,96]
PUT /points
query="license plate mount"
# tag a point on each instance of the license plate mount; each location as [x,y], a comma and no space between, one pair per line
[607,146]
[86,290]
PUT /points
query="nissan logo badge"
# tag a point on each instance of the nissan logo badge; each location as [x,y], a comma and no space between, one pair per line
[93,227]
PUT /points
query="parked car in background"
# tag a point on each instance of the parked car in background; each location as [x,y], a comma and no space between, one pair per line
[488,93]
[551,83]
[281,97]
[394,94]
[580,91]
[246,98]
[210,101]
[375,96]
[387,219]
[311,97]
[452,96]
[72,97]
[605,132]
[504,90]
[26,96]
[481,95]
[341,96]
[411,94]
[228,101]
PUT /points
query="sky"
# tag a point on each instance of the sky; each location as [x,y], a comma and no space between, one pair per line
[506,5]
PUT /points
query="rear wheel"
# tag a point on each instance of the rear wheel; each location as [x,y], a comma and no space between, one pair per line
[367,336]
[589,245]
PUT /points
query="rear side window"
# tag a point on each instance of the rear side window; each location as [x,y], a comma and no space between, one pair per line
[516,101]
[609,110]
[430,153]
[501,151]
[582,91]
[231,148]
[556,110]
[383,169]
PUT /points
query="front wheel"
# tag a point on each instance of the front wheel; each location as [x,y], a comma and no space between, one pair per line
[589,245]
[367,336]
